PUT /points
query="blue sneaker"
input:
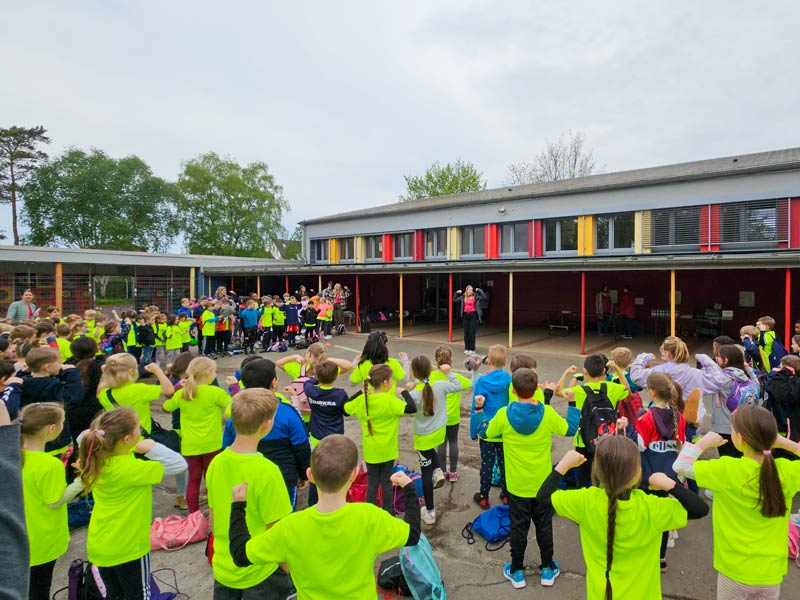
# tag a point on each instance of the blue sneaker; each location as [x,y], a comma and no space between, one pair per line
[517,578]
[549,575]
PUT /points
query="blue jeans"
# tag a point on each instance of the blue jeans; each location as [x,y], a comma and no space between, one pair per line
[147,354]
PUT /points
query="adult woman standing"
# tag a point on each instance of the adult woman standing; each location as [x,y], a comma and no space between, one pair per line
[471,313]
[339,297]
[21,310]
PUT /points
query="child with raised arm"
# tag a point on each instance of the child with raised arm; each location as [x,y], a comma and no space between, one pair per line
[752,499]
[311,542]
[620,525]
[252,412]
[526,428]
[444,356]
[118,539]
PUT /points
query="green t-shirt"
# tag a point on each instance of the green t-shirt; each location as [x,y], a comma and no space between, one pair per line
[160,330]
[136,395]
[278,316]
[615,392]
[266,316]
[64,348]
[527,457]
[91,330]
[766,349]
[385,411]
[174,340]
[312,544]
[185,330]
[119,529]
[748,548]
[43,483]
[209,328]
[267,502]
[361,371]
[130,341]
[453,398]
[201,419]
[641,520]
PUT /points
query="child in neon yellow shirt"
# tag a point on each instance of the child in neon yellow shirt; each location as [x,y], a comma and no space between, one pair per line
[45,493]
[174,339]
[311,541]
[118,539]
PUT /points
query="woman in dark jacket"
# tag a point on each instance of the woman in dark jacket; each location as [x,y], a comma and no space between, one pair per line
[471,313]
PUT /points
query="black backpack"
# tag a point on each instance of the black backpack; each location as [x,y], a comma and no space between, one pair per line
[391,578]
[598,417]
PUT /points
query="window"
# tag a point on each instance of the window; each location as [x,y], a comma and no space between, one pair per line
[436,243]
[473,241]
[373,248]
[614,232]
[514,238]
[403,246]
[346,249]
[753,223]
[677,228]
[319,251]
[561,235]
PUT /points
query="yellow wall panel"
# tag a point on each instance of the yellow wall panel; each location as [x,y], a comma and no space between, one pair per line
[453,243]
[333,251]
[643,232]
[358,249]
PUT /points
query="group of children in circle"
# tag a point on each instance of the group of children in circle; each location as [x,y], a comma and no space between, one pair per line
[626,517]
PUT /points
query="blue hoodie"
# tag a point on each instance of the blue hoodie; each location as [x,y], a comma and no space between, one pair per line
[494,387]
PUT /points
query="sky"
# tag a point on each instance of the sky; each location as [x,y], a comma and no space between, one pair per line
[343,99]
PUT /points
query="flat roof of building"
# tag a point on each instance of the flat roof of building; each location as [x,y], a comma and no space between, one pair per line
[760,162]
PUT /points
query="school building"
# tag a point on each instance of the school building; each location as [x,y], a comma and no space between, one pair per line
[706,246]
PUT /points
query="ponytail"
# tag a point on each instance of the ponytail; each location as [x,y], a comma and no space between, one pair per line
[99,442]
[611,534]
[366,405]
[421,369]
[770,490]
[199,371]
[378,375]
[35,417]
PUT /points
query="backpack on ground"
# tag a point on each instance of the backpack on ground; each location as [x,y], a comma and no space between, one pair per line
[742,392]
[83,583]
[421,571]
[79,513]
[174,532]
[598,417]
[629,407]
[299,398]
[390,576]
[340,329]
[493,525]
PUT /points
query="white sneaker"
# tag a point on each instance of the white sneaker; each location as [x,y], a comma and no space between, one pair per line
[428,516]
[670,540]
[709,494]
[466,352]
[327,337]
[438,479]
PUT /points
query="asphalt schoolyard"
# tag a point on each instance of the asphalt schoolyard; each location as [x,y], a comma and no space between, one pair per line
[470,572]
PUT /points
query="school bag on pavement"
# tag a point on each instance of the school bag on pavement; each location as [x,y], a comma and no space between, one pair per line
[174,532]
[493,525]
[743,392]
[598,417]
[390,576]
[421,571]
[340,329]
[299,399]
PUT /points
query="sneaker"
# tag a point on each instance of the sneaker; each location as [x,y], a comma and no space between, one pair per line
[708,494]
[428,516]
[504,499]
[327,337]
[663,565]
[671,540]
[481,501]
[467,352]
[549,574]
[438,479]
[453,476]
[517,578]
[180,502]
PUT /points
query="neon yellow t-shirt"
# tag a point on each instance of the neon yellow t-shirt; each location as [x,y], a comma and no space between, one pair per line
[453,398]
[174,339]
[739,528]
[267,502]
[641,520]
[361,371]
[63,347]
[185,331]
[209,328]
[312,544]
[766,349]
[527,457]
[266,316]
[201,419]
[161,333]
[615,392]
[385,411]
[278,316]
[130,341]
[119,530]
[91,330]
[136,395]
[43,483]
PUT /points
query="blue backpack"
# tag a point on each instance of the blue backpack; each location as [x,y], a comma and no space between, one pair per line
[494,526]
[421,572]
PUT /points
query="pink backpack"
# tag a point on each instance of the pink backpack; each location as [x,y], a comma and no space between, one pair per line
[174,532]
[794,542]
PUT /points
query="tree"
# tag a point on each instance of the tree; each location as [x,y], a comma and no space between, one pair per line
[453,178]
[566,158]
[90,200]
[18,156]
[229,209]
[295,246]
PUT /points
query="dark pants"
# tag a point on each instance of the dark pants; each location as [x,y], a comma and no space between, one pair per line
[470,329]
[491,451]
[40,579]
[452,441]
[378,476]
[602,323]
[277,333]
[522,511]
[326,327]
[275,587]
[250,336]
[584,471]
[627,326]
[208,345]
[148,352]
[198,465]
[135,352]
[221,341]
[128,581]
[428,463]
[266,337]
[338,314]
